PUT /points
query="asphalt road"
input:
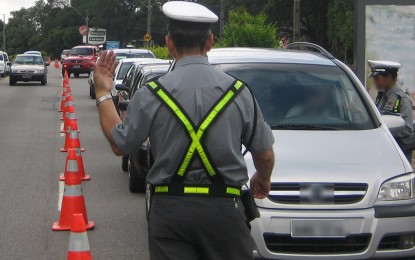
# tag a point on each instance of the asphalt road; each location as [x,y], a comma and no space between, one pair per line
[30,165]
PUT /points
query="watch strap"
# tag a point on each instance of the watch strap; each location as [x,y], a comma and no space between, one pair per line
[103,98]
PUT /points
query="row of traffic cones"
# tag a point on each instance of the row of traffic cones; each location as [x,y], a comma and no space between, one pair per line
[73,215]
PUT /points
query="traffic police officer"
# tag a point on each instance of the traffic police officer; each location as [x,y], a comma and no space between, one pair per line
[197,119]
[392,99]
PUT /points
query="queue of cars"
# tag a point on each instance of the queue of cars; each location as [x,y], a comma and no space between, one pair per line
[341,188]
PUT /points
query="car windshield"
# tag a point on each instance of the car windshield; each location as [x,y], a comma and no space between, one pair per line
[125,66]
[134,55]
[29,60]
[81,51]
[304,97]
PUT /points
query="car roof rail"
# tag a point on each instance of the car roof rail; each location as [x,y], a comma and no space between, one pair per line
[307,45]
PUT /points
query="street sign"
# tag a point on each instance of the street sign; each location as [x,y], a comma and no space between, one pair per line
[83,30]
[97,36]
[147,37]
[111,45]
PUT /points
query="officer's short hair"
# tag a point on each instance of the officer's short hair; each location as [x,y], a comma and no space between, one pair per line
[188,35]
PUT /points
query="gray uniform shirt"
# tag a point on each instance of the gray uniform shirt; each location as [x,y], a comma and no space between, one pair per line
[387,103]
[196,86]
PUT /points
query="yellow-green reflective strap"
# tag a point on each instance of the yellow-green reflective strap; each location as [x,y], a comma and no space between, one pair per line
[233,191]
[196,190]
[162,189]
[396,106]
[196,145]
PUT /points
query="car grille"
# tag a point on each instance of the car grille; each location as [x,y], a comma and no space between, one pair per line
[26,71]
[317,193]
[286,244]
[77,61]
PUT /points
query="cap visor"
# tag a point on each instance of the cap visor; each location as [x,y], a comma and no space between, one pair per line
[373,74]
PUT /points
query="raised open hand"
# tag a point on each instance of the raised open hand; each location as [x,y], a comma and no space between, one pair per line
[104,71]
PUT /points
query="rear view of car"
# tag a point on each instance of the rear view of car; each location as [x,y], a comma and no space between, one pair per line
[28,67]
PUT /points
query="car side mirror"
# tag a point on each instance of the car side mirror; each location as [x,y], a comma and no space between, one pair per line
[8,63]
[123,105]
[394,123]
[121,87]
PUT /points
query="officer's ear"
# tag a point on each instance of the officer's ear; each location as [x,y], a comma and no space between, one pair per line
[170,47]
[209,44]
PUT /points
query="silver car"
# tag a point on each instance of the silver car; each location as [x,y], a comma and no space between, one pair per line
[341,187]
[28,67]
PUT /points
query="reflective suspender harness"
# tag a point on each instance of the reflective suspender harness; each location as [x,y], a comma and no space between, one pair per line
[396,106]
[217,188]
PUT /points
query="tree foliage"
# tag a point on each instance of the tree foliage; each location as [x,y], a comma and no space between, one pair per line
[246,30]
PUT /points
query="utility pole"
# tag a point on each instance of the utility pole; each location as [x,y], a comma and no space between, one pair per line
[296,21]
[222,18]
[149,9]
[87,25]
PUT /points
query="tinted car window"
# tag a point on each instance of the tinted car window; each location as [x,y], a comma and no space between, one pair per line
[125,66]
[1,56]
[296,96]
[81,51]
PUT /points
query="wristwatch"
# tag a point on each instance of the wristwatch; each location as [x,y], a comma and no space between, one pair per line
[103,98]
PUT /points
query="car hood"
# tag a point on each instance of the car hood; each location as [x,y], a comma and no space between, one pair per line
[72,57]
[367,156]
[27,67]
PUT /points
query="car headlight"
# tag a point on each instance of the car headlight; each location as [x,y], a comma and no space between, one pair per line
[40,71]
[400,188]
[15,71]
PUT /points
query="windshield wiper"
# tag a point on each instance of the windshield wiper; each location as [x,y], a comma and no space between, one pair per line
[303,127]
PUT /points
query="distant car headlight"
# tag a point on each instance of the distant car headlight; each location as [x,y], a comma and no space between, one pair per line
[15,71]
[400,188]
[40,71]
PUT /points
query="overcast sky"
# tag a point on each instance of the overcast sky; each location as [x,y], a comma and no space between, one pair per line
[6,6]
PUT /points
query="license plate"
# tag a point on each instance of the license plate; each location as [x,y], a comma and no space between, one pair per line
[318,228]
[76,66]
[26,76]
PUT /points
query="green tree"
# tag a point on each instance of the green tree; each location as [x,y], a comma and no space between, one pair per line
[245,30]
[340,27]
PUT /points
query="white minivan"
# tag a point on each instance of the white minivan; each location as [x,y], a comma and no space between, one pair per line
[4,64]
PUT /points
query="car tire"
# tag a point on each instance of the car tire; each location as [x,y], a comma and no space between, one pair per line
[124,164]
[3,75]
[76,75]
[44,82]
[12,81]
[149,198]
[135,183]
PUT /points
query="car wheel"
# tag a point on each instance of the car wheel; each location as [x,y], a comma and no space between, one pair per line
[135,183]
[76,75]
[3,75]
[12,81]
[124,164]
[44,82]
[149,198]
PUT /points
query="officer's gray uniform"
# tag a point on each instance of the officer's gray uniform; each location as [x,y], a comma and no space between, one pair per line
[388,102]
[218,224]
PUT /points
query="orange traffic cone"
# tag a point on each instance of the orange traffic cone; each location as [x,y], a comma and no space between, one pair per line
[63,96]
[72,136]
[49,60]
[69,117]
[56,63]
[78,240]
[68,103]
[75,165]
[73,202]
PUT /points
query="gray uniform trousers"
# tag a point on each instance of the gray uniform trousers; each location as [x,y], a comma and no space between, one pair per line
[196,227]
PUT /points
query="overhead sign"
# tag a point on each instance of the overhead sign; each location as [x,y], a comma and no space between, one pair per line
[147,37]
[83,30]
[97,36]
[111,45]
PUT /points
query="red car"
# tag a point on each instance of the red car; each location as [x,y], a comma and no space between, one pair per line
[80,60]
